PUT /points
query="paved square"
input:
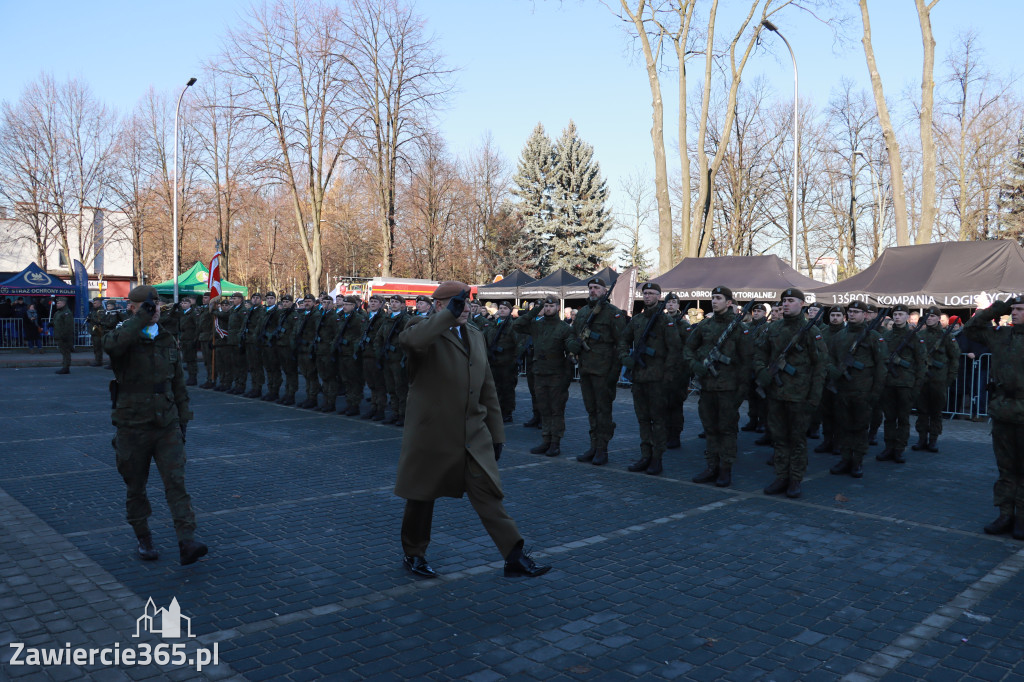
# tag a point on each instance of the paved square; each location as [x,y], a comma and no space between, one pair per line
[888,577]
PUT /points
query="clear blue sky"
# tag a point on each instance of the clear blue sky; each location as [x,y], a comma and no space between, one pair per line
[519,61]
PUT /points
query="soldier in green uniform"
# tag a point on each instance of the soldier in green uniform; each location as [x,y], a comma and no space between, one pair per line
[814,427]
[858,373]
[830,438]
[392,358]
[526,359]
[373,371]
[188,329]
[63,322]
[597,331]
[774,315]
[677,376]
[723,383]
[790,363]
[352,326]
[648,343]
[305,356]
[232,319]
[265,347]
[1006,407]
[283,342]
[502,356]
[96,331]
[204,324]
[325,357]
[876,407]
[757,407]
[942,361]
[222,362]
[249,345]
[904,373]
[552,371]
[151,410]
[478,315]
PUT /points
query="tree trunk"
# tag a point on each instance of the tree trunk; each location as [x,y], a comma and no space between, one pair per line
[928,162]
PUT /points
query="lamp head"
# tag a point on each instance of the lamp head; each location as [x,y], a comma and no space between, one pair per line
[191,82]
[770,26]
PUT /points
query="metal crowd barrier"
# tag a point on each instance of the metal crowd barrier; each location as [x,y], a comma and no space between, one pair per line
[968,395]
[12,333]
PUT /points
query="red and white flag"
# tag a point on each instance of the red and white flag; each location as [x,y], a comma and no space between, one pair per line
[215,275]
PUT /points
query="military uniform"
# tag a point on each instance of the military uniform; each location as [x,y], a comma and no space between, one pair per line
[552,372]
[827,408]
[502,356]
[265,347]
[350,364]
[757,407]
[151,409]
[942,362]
[110,319]
[325,357]
[526,360]
[373,371]
[597,331]
[204,324]
[284,349]
[232,320]
[249,348]
[790,364]
[305,334]
[1006,407]
[63,322]
[392,360]
[96,332]
[188,327]
[721,395]
[854,387]
[677,384]
[645,349]
[905,368]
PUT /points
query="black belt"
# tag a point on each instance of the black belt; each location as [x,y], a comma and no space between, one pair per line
[155,388]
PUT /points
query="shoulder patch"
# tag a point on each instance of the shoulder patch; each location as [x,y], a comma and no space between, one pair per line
[746,331]
[618,314]
[880,339]
[920,340]
[817,337]
[671,324]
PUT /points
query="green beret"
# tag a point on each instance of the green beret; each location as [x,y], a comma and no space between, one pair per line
[142,293]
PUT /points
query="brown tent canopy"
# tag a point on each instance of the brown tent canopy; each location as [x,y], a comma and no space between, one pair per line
[758,278]
[948,274]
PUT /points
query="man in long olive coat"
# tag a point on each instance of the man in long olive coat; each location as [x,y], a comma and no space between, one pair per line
[453,435]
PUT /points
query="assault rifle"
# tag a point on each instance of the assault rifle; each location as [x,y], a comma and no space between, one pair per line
[715,354]
[316,336]
[494,347]
[640,348]
[849,360]
[285,316]
[385,347]
[339,339]
[587,334]
[780,364]
[368,335]
[895,360]
[297,340]
[936,364]
[245,330]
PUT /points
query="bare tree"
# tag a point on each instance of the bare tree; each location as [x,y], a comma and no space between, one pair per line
[486,175]
[22,172]
[632,224]
[928,154]
[131,189]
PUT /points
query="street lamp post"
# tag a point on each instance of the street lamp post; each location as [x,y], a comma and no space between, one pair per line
[796,137]
[174,203]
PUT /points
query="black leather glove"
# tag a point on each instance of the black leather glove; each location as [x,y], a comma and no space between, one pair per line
[147,308]
[498,447]
[458,302]
[184,427]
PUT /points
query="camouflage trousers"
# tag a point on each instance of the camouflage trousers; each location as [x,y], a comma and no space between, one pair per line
[65,348]
[97,349]
[676,392]
[598,395]
[350,369]
[272,366]
[1008,445]
[853,419]
[896,404]
[552,395]
[254,366]
[398,386]
[290,369]
[650,403]
[375,380]
[931,399]
[189,357]
[506,376]
[135,448]
[207,348]
[307,368]
[720,415]
[788,423]
[327,368]
[531,383]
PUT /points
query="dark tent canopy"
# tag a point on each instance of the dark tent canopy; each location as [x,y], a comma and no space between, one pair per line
[758,278]
[607,274]
[508,287]
[33,281]
[556,284]
[948,274]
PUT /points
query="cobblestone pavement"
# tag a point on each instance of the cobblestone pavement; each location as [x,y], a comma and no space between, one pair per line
[887,577]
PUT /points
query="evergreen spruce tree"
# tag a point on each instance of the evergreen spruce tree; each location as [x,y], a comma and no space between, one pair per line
[1011,195]
[581,219]
[634,255]
[533,188]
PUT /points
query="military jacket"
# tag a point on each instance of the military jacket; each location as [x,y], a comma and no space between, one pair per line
[737,347]
[906,368]
[150,383]
[678,370]
[95,322]
[370,329]
[264,330]
[601,336]
[551,337]
[63,325]
[204,322]
[170,318]
[867,374]
[942,355]
[350,328]
[231,321]
[830,334]
[188,326]
[1006,375]
[479,321]
[282,332]
[801,373]
[502,343]
[385,344]
[252,322]
[662,344]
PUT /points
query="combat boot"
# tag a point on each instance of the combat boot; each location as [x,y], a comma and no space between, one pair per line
[779,485]
[794,491]
[766,439]
[534,421]
[63,370]
[147,552]
[843,466]
[601,456]
[897,456]
[378,416]
[921,444]
[724,476]
[1003,524]
[857,470]
[673,442]
[351,411]
[873,437]
[587,456]
[813,433]
[884,455]
[771,460]
[391,419]
[825,446]
[541,449]
[288,399]
[400,421]
[191,380]
[554,450]
[191,551]
[271,397]
[207,385]
[309,404]
[640,465]
[709,474]
[368,415]
[933,444]
[654,468]
[751,425]
[1018,528]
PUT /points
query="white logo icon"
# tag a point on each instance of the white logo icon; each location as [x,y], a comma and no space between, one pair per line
[163,622]
[38,278]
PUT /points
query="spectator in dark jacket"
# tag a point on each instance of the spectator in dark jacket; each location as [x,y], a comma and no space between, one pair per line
[32,330]
[973,374]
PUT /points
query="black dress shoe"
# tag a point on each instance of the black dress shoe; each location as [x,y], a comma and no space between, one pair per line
[840,467]
[1003,524]
[190,551]
[706,476]
[779,485]
[793,491]
[540,449]
[600,457]
[587,456]
[724,479]
[147,552]
[418,565]
[639,465]
[519,564]
[654,468]
[857,471]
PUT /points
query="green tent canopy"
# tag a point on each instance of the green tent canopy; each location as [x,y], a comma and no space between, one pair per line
[195,281]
